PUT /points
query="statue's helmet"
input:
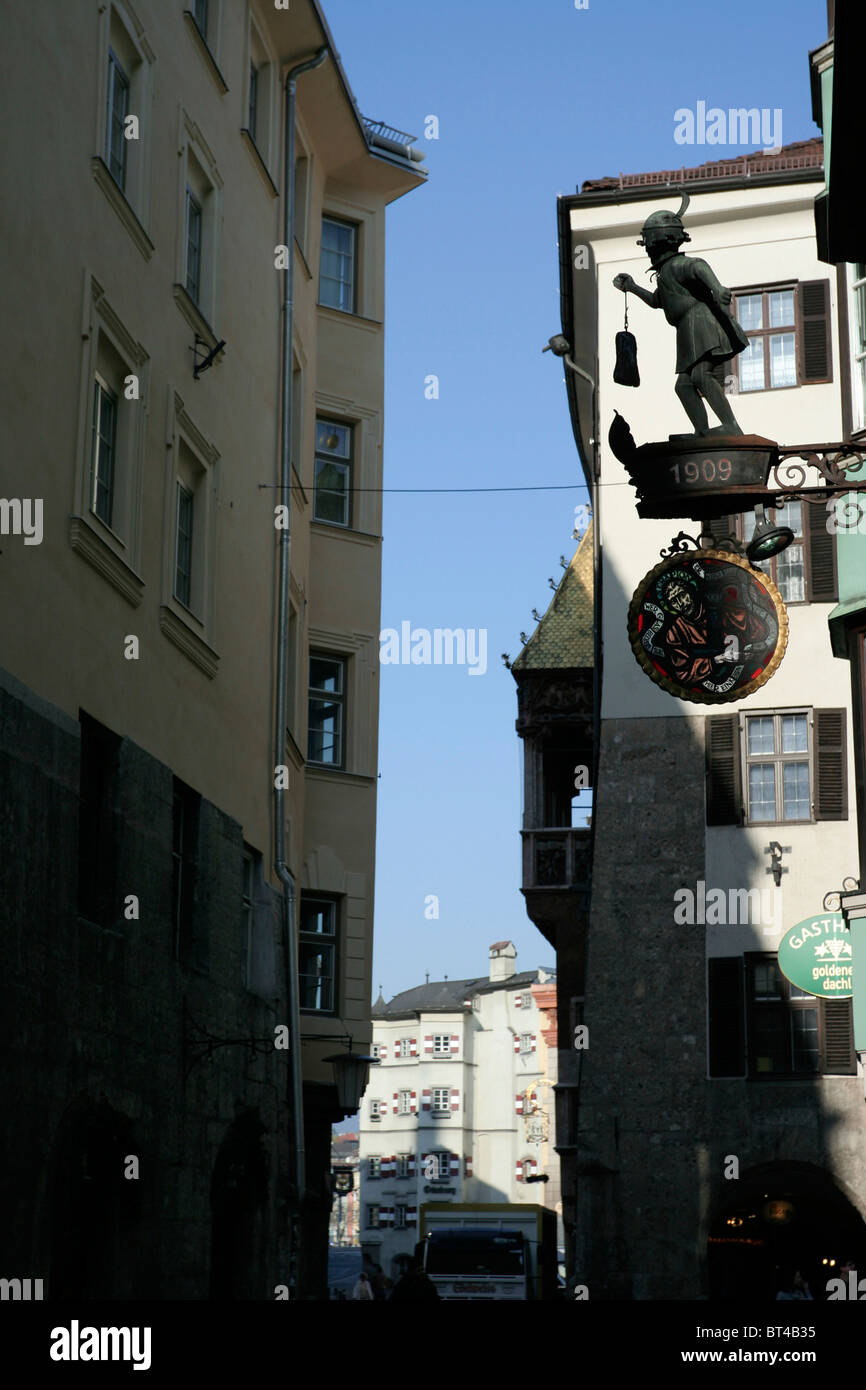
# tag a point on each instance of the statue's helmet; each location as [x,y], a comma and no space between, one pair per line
[665,225]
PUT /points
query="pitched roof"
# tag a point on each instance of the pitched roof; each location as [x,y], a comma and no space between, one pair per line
[802,154]
[447,996]
[563,638]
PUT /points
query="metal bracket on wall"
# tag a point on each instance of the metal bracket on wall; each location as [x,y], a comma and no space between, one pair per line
[200,1044]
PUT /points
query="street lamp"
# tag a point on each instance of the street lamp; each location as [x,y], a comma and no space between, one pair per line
[351,1073]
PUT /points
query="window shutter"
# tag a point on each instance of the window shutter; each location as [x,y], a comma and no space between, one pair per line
[518,1169]
[726,1016]
[455,1099]
[814,356]
[533,1043]
[724,801]
[822,584]
[721,527]
[413,1103]
[831,774]
[516,1042]
[838,1019]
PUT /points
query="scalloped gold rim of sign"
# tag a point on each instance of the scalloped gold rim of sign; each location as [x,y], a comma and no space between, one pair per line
[665,682]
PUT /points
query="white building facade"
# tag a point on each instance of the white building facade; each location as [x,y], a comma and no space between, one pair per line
[460,1105]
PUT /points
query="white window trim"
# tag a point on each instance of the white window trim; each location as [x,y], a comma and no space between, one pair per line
[203,315]
[132,203]
[439,1052]
[191,629]
[265,141]
[446,1092]
[858,404]
[113,550]
[806,756]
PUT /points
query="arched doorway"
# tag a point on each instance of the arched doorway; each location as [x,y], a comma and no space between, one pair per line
[777,1218]
[238,1194]
[95,1208]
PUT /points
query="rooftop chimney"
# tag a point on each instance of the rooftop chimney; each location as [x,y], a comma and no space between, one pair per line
[502,957]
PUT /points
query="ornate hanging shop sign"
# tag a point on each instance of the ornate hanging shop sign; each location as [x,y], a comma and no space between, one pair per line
[706,626]
[816,956]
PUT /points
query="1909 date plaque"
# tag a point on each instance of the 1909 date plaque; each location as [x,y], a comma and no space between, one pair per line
[701,479]
[706,626]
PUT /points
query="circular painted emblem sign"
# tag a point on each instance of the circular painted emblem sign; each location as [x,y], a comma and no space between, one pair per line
[706,626]
[815,955]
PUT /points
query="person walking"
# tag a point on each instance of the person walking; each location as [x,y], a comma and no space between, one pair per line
[362,1290]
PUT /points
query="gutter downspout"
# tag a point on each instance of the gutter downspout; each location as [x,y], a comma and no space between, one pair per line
[290,936]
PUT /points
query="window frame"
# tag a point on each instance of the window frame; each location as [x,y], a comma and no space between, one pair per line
[441,1051]
[403,1166]
[335,460]
[322,696]
[777,760]
[765,334]
[322,940]
[404,1101]
[116,69]
[856,295]
[786,1003]
[192,278]
[355,229]
[374,1176]
[102,393]
[183,494]
[373,1222]
[375,1115]
[440,1091]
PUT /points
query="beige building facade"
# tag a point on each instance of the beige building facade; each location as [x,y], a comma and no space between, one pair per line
[144,269]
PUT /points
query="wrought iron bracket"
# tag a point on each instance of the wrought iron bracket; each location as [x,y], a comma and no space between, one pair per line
[199,1044]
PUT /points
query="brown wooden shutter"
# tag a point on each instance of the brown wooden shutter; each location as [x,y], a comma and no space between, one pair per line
[724,800]
[829,735]
[725,1005]
[721,527]
[814,356]
[820,545]
[838,1037]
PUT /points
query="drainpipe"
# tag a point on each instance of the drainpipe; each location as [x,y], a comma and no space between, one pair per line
[290,935]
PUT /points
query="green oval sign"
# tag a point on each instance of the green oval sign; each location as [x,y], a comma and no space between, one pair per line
[815,955]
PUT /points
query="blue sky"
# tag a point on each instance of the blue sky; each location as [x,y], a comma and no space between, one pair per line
[531,100]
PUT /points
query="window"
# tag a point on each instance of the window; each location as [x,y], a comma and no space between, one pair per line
[374,1167]
[442,1045]
[769,320]
[186,810]
[258,929]
[337,271]
[99,822]
[183,546]
[404,1103]
[376,1111]
[193,246]
[199,212]
[762,1025]
[788,327]
[333,464]
[436,1166]
[441,1098]
[252,110]
[373,1215]
[106,521]
[259,98]
[103,450]
[189,564]
[526,1001]
[118,109]
[525,1042]
[317,954]
[857,343]
[778,782]
[400,1218]
[776,767]
[405,1047]
[806,571]
[199,14]
[374,1050]
[404,1165]
[121,161]
[326,710]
